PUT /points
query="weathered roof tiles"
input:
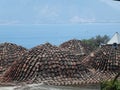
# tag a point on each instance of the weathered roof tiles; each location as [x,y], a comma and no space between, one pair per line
[106,58]
[47,63]
[76,46]
[8,54]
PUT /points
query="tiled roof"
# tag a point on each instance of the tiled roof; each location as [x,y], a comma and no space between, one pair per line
[8,54]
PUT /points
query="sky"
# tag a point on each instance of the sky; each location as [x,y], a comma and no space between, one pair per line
[33,22]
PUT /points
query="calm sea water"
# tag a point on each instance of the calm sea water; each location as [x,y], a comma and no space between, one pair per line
[32,35]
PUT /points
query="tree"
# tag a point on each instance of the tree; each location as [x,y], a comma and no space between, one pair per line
[112,84]
[95,42]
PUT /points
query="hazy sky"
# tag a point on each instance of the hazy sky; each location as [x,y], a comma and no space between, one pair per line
[58,11]
[33,22]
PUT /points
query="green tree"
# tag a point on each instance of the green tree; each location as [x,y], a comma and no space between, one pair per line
[111,85]
[95,42]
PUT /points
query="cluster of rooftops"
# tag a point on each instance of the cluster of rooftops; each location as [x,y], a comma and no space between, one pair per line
[63,65]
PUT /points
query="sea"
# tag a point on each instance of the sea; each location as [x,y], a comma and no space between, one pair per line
[30,36]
